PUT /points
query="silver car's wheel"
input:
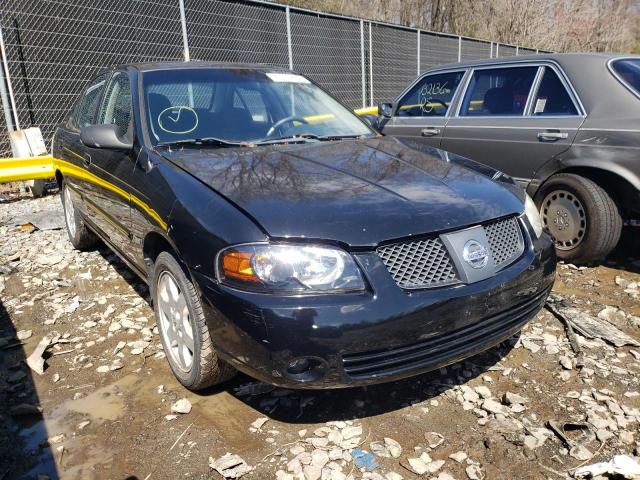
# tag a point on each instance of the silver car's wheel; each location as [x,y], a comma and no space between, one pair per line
[69,212]
[175,321]
[565,217]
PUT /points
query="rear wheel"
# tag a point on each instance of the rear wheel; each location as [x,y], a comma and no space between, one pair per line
[581,217]
[183,328]
[79,234]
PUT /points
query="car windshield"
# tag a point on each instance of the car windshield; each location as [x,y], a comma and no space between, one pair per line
[241,105]
[628,70]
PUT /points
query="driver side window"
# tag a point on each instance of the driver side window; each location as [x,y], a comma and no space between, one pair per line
[116,105]
[431,96]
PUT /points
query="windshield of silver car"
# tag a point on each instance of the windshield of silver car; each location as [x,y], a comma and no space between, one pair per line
[221,106]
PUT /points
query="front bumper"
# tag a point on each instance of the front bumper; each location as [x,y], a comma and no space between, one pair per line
[382,334]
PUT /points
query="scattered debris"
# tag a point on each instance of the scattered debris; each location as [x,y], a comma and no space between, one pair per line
[230,466]
[181,406]
[622,465]
[35,360]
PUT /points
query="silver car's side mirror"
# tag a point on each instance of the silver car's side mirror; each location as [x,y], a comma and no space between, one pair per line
[104,136]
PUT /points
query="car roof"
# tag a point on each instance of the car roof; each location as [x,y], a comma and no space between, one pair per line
[181,65]
[561,58]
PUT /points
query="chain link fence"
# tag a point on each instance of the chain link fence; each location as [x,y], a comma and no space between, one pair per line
[53,47]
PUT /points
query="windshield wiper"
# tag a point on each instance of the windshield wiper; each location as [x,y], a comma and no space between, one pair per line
[218,142]
[303,137]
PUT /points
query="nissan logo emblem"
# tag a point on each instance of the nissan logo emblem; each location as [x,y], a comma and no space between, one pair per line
[475,254]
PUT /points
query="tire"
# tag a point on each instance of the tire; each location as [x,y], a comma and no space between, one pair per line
[205,367]
[79,234]
[581,216]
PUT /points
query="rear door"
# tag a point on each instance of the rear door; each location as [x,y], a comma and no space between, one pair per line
[514,117]
[422,111]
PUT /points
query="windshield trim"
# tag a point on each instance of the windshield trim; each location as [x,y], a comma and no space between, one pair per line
[144,121]
[611,68]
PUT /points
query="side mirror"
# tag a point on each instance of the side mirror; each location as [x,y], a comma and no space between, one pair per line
[385,110]
[104,136]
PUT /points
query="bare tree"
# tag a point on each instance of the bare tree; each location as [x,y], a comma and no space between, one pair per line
[559,25]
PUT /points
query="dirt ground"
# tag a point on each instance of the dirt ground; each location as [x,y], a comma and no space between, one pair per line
[102,407]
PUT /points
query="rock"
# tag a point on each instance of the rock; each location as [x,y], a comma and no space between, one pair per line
[312,472]
[259,422]
[394,447]
[581,453]
[393,476]
[510,398]
[419,465]
[531,346]
[483,391]
[474,472]
[566,362]
[319,458]
[458,456]
[613,315]
[351,432]
[230,466]
[183,406]
[493,406]
[626,437]
[103,369]
[24,334]
[434,439]
[35,360]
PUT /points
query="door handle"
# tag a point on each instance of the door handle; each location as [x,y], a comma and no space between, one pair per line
[430,132]
[552,135]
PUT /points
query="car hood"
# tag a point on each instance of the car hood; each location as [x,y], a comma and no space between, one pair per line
[357,192]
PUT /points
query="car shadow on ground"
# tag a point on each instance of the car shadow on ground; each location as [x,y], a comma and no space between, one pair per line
[626,255]
[319,406]
[24,450]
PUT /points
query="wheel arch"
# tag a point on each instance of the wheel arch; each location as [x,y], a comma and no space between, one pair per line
[621,184]
[59,178]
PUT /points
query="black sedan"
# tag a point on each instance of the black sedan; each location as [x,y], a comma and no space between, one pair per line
[282,237]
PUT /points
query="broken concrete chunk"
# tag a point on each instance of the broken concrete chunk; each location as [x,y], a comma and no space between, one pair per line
[230,466]
[35,360]
[182,406]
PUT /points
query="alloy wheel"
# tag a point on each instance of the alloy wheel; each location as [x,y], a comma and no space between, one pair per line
[69,212]
[175,321]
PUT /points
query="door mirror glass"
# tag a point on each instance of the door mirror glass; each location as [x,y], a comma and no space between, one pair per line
[385,110]
[104,136]
[431,96]
[498,91]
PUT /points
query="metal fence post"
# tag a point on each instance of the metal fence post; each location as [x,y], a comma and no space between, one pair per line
[288,11]
[370,67]
[517,50]
[364,77]
[183,22]
[491,51]
[418,59]
[497,50]
[9,88]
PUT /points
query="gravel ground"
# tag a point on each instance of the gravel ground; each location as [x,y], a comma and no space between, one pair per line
[106,405]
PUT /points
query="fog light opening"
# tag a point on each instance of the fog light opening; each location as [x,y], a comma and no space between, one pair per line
[305,369]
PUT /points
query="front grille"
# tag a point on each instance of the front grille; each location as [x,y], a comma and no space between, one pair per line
[427,263]
[420,264]
[505,241]
[445,348]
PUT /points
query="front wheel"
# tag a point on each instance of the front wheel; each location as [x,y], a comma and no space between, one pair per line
[581,217]
[183,328]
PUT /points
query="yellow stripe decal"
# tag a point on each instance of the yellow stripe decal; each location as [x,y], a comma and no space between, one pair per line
[68,168]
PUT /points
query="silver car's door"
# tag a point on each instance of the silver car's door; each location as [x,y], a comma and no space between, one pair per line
[514,117]
[422,110]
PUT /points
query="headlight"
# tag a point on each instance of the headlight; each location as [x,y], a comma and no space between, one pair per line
[289,268]
[533,215]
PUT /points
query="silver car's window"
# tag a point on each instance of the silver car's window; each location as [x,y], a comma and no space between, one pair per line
[116,106]
[431,96]
[552,97]
[498,91]
[628,70]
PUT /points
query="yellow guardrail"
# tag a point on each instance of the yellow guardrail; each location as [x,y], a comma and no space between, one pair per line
[27,168]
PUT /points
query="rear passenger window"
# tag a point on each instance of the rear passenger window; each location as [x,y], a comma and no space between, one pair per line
[431,96]
[499,91]
[552,97]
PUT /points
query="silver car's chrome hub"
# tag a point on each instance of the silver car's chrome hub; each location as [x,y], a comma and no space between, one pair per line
[564,215]
[175,322]
[69,212]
